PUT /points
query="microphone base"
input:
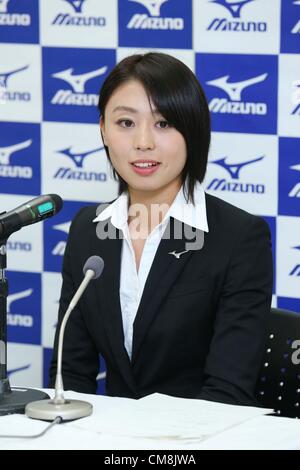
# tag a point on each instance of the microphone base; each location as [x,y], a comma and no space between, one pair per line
[47,410]
[17,398]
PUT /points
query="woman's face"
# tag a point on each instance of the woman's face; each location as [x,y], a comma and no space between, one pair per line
[144,149]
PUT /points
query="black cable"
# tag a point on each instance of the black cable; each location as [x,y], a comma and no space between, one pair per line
[57,420]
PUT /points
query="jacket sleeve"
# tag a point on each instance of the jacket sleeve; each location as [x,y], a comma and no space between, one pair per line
[237,346]
[80,359]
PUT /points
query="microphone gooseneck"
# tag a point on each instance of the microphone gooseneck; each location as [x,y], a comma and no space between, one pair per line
[92,270]
[59,406]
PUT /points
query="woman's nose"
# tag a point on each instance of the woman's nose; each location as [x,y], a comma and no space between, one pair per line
[144,139]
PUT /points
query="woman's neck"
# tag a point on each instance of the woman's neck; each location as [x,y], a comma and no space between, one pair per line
[149,207]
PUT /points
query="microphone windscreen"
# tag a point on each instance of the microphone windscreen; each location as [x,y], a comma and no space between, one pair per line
[96,264]
[58,202]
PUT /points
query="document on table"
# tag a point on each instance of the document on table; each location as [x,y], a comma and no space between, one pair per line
[160,416]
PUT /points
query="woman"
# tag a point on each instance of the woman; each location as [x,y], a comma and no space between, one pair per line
[182,304]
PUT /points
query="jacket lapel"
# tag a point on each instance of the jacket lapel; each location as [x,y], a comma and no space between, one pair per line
[165,267]
[108,293]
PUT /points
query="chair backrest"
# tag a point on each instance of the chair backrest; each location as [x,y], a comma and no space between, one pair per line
[278,385]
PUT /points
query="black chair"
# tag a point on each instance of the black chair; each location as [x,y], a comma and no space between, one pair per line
[278,385]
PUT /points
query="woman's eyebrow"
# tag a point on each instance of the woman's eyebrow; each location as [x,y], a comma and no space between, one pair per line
[131,110]
[125,108]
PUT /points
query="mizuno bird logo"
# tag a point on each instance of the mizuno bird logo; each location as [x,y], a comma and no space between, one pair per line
[17,296]
[5,76]
[78,158]
[233,6]
[234,89]
[3,6]
[6,152]
[76,5]
[177,255]
[77,82]
[153,6]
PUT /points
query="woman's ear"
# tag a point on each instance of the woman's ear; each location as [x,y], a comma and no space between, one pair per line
[102,130]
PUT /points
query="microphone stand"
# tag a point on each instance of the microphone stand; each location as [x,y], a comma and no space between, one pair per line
[12,399]
[67,410]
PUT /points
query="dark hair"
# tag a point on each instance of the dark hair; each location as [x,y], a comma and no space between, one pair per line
[178,96]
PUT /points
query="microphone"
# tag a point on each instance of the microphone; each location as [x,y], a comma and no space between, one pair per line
[33,211]
[67,409]
[14,400]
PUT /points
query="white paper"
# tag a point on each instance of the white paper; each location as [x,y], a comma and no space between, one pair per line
[164,417]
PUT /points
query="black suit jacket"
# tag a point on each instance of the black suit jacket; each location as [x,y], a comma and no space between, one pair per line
[200,327]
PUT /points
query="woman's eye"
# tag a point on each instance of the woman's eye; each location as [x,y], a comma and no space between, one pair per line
[163,124]
[125,122]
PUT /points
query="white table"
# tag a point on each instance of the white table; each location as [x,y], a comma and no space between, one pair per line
[155,422]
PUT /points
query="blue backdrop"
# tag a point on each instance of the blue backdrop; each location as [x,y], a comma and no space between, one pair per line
[54,56]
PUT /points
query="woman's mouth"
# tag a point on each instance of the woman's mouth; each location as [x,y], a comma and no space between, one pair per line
[144,167]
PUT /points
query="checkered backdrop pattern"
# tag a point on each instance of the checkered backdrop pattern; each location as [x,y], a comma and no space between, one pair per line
[54,56]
